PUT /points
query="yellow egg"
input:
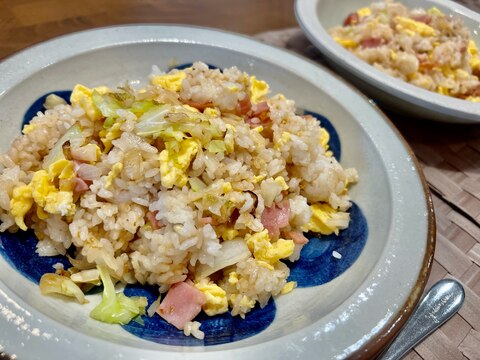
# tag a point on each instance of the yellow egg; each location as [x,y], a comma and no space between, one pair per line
[211,112]
[258,178]
[258,89]
[229,138]
[171,82]
[324,138]
[281,181]
[215,298]
[116,170]
[20,204]
[472,47]
[409,25]
[190,108]
[286,137]
[63,169]
[473,98]
[110,134]
[27,129]
[233,278]
[288,287]
[175,160]
[82,96]
[346,43]
[60,202]
[475,64]
[321,220]
[245,301]
[434,11]
[262,249]
[442,90]
[229,234]
[227,187]
[364,12]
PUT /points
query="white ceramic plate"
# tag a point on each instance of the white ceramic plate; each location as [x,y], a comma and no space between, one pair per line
[316,17]
[354,315]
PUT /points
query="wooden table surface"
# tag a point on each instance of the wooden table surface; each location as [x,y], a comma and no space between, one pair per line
[449,154]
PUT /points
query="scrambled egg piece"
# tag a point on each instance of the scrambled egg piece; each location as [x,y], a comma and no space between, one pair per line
[211,112]
[215,297]
[110,134]
[263,250]
[324,138]
[258,89]
[474,98]
[229,138]
[20,204]
[245,302]
[27,129]
[171,82]
[45,193]
[116,170]
[229,234]
[320,222]
[281,181]
[233,278]
[82,96]
[174,162]
[442,90]
[258,178]
[434,11]
[363,12]
[346,43]
[409,25]
[286,137]
[288,287]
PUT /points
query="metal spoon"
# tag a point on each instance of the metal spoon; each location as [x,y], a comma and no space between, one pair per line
[441,302]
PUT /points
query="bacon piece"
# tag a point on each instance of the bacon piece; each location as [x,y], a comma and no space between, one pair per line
[198,105]
[371,42]
[182,303]
[244,106]
[152,218]
[351,19]
[260,108]
[425,18]
[206,220]
[274,218]
[297,237]
[80,185]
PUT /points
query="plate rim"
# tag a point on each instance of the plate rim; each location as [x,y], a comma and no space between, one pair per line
[379,340]
[469,112]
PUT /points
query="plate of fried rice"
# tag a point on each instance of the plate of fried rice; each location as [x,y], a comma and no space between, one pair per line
[168,194]
[417,57]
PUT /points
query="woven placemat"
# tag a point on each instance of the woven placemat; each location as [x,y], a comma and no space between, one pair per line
[450,157]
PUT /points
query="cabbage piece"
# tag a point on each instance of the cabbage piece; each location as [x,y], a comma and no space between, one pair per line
[74,133]
[231,252]
[116,308]
[107,104]
[57,284]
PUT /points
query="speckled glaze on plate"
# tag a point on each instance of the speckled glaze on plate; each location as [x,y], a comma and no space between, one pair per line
[354,315]
[317,16]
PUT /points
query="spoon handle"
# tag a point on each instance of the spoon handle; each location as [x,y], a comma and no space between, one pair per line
[441,302]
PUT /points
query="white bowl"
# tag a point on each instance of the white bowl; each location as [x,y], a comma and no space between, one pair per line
[316,17]
[356,314]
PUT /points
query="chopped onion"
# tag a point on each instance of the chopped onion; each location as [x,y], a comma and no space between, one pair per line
[152,309]
[231,252]
[57,284]
[87,276]
[53,100]
[56,153]
[88,152]
[88,172]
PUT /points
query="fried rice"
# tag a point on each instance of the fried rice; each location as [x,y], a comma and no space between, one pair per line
[423,47]
[199,182]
